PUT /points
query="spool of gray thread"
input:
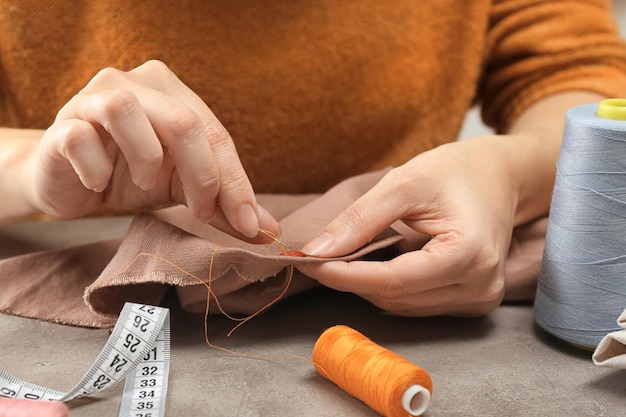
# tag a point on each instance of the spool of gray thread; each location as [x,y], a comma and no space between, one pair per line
[582,284]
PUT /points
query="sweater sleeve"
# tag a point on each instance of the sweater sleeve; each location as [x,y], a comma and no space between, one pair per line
[536,48]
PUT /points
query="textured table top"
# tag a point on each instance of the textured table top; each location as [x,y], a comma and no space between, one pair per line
[499,365]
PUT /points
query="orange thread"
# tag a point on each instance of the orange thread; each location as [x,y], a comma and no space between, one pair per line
[243,320]
[380,378]
[211,294]
[283,251]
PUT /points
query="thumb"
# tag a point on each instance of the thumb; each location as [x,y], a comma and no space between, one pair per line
[355,226]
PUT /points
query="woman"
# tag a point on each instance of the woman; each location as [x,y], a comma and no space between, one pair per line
[125,107]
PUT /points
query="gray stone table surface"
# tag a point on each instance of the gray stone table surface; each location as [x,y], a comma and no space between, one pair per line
[498,365]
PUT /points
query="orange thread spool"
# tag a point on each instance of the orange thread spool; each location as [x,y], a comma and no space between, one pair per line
[380,378]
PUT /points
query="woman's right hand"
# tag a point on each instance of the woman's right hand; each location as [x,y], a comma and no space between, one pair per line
[142,139]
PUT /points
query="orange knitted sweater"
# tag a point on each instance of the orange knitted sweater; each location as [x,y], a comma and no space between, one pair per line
[316,91]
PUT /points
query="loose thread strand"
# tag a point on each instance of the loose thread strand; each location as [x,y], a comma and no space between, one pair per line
[211,294]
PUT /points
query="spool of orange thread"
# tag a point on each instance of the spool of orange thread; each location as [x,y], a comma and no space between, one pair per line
[380,378]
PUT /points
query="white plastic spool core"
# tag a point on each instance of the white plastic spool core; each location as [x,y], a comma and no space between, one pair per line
[415,400]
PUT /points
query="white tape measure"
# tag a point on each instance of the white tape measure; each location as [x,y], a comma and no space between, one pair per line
[138,350]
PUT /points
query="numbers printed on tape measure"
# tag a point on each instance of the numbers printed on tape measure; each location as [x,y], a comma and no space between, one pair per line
[138,351]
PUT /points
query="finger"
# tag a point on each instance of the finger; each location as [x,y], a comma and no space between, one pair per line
[361,222]
[266,221]
[180,217]
[236,196]
[220,171]
[79,143]
[456,300]
[120,113]
[208,167]
[10,407]
[182,133]
[398,287]
[409,273]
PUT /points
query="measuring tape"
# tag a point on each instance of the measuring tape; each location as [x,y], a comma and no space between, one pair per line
[138,350]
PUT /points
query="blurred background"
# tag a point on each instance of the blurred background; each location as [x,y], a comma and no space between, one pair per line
[473,125]
[619,7]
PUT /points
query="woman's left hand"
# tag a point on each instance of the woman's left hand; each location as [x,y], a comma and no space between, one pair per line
[464,195]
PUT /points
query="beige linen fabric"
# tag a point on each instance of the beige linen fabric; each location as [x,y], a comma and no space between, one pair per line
[87,285]
[611,351]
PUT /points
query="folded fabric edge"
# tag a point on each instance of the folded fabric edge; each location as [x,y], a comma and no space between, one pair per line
[611,351]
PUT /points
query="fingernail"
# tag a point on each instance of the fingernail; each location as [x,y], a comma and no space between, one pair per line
[147,185]
[206,213]
[267,222]
[247,221]
[99,188]
[319,245]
